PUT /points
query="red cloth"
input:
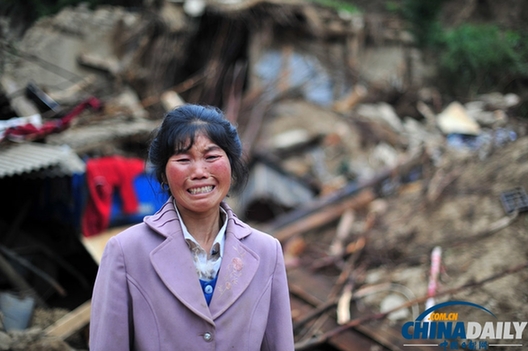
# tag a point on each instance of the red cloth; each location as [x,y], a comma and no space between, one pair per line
[103,176]
[31,132]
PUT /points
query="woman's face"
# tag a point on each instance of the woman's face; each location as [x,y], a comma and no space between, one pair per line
[200,178]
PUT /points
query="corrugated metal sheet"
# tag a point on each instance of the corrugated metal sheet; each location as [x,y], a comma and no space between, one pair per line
[46,160]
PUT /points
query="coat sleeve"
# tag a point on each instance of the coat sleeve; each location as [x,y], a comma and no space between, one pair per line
[109,320]
[279,330]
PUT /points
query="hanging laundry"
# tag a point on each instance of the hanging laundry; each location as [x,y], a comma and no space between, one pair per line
[105,175]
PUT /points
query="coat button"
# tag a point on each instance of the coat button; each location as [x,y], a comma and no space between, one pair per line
[208,289]
[208,336]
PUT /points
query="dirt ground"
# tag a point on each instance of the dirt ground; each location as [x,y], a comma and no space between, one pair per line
[461,220]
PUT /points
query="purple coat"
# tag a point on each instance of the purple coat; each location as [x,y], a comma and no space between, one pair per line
[147,295]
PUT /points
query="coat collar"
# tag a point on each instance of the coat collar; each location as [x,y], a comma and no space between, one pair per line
[162,221]
[173,262]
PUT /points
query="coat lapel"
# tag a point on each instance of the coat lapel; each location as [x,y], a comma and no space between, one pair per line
[238,268]
[173,262]
[176,269]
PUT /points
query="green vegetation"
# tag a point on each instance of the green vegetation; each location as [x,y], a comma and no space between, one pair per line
[338,5]
[392,6]
[472,58]
[479,58]
[422,17]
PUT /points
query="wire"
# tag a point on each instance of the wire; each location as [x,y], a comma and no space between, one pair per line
[51,67]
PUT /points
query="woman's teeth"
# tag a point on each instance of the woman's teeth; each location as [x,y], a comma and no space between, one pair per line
[203,189]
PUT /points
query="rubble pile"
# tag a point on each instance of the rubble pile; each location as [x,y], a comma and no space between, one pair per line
[360,191]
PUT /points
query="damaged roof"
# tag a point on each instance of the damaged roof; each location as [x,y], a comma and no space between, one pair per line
[48,160]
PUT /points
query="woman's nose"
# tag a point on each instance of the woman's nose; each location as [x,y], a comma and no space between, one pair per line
[199,170]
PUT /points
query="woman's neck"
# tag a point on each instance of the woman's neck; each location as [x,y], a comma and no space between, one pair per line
[203,227]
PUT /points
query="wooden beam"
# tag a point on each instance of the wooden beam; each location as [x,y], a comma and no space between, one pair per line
[70,323]
[325,215]
[311,293]
[348,341]
[348,191]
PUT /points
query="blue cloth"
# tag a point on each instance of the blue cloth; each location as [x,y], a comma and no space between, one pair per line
[208,288]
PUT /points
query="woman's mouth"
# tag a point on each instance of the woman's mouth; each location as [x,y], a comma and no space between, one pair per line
[201,190]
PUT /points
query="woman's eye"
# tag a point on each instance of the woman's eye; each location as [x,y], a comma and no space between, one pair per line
[212,157]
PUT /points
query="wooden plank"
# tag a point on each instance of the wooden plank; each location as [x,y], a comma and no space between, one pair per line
[324,216]
[95,244]
[305,286]
[341,195]
[70,323]
[348,341]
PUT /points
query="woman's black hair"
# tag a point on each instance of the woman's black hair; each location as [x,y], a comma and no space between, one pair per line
[178,131]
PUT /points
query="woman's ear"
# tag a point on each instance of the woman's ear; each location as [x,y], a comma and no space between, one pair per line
[164,184]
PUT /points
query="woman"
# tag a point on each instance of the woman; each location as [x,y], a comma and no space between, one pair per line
[193,276]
